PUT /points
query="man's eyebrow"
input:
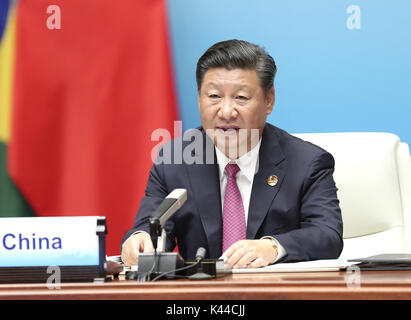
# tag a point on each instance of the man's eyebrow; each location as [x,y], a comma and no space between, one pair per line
[212,85]
[242,86]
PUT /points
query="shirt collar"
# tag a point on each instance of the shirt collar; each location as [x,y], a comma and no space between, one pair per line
[247,162]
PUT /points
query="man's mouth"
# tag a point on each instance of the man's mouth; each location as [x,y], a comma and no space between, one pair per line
[228,129]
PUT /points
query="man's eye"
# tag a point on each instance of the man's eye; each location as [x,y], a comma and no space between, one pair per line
[241,98]
[214,96]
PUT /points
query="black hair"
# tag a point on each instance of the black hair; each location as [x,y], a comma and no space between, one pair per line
[238,54]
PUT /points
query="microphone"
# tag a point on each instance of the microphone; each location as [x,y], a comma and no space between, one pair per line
[200,254]
[167,208]
[200,274]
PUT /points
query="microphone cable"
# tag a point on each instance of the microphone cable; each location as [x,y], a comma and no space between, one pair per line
[177,270]
[145,276]
[199,257]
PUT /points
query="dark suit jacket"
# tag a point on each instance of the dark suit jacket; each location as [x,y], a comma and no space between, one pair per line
[301,211]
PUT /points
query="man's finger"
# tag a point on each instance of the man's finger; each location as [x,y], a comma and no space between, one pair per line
[236,256]
[129,257]
[245,260]
[131,248]
[257,263]
[148,245]
[233,248]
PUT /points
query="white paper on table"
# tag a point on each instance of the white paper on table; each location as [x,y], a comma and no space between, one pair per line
[303,266]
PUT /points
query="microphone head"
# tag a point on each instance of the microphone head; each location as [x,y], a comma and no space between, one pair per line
[200,254]
[179,194]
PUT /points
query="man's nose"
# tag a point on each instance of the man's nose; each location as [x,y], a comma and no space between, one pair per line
[227,110]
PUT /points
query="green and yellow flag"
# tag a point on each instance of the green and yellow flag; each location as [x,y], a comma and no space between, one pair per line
[12,203]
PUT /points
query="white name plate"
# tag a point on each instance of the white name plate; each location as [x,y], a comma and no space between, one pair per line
[50,241]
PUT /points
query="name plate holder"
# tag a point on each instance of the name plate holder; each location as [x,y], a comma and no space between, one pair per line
[65,249]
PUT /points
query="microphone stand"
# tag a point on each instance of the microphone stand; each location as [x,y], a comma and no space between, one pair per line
[157,234]
[153,264]
[161,262]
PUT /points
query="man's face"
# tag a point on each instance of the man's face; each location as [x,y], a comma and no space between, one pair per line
[231,104]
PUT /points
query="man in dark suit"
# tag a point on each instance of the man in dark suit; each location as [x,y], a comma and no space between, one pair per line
[265,197]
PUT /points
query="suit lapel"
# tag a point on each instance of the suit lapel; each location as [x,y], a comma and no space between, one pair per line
[205,183]
[262,193]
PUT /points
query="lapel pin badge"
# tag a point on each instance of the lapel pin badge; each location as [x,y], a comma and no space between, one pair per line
[272,180]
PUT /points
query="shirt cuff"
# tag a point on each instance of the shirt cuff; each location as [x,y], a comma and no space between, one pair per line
[138,231]
[281,251]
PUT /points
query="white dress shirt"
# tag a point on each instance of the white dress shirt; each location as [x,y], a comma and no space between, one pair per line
[248,164]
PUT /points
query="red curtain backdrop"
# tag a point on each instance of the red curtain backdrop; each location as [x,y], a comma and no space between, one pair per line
[87,98]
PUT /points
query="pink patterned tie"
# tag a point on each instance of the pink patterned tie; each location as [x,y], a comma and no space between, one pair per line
[234,227]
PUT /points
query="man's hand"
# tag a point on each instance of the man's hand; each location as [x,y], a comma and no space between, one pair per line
[139,242]
[250,254]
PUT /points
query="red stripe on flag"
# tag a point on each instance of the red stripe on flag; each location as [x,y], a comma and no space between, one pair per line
[87,98]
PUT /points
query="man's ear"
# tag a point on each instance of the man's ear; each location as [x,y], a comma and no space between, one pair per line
[269,100]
